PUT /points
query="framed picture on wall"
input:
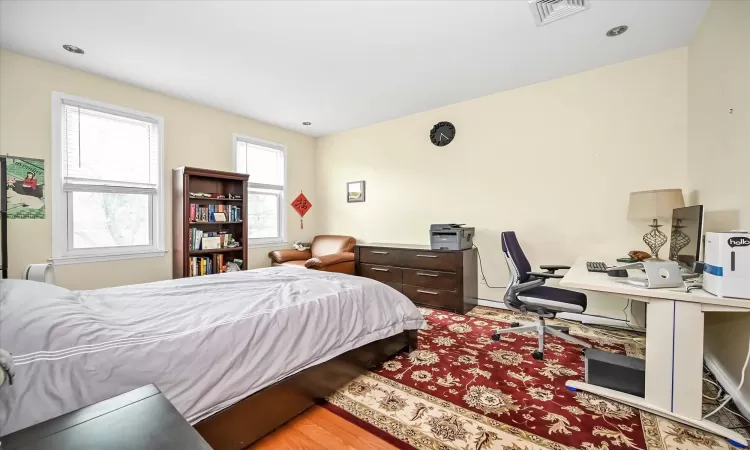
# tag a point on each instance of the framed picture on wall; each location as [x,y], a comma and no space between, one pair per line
[355,191]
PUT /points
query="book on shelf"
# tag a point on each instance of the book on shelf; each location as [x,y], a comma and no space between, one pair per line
[201,266]
[211,242]
[206,265]
[196,236]
[220,263]
[216,240]
[207,213]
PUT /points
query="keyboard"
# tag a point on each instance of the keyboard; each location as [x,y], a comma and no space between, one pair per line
[596,266]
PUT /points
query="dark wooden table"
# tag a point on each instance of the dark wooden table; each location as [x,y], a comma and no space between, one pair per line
[139,419]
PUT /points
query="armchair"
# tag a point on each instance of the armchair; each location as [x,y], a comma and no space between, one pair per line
[526,294]
[329,253]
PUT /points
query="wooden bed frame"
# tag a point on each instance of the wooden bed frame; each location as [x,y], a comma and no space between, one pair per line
[250,419]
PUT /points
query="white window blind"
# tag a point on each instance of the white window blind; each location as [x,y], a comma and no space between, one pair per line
[103,149]
[265,163]
[108,198]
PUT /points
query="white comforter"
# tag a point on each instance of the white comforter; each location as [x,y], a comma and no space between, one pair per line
[206,342]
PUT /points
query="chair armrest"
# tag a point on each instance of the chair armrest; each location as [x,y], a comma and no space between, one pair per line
[282,256]
[545,275]
[322,262]
[552,267]
[525,286]
[511,295]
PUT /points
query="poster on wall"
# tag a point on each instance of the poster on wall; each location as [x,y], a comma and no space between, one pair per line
[25,185]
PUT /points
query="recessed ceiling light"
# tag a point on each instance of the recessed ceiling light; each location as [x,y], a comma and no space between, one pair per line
[616,31]
[73,49]
[307,124]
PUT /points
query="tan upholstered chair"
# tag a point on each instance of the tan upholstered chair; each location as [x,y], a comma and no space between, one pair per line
[328,252]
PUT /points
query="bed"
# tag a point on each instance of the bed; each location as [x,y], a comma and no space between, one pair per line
[220,347]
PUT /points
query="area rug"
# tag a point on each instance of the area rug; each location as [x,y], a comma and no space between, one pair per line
[462,390]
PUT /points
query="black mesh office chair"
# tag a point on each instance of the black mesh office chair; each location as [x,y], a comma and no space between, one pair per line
[526,294]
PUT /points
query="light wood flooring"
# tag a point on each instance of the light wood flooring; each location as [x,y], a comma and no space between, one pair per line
[318,428]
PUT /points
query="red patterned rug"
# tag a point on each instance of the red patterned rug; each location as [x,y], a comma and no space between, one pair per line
[463,390]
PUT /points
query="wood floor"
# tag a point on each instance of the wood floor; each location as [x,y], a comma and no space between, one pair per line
[318,428]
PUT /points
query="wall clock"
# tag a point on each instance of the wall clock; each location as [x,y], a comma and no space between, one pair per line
[442,133]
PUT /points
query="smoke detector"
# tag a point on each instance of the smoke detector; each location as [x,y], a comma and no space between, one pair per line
[546,11]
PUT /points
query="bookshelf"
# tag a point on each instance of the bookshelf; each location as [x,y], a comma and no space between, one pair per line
[188,254]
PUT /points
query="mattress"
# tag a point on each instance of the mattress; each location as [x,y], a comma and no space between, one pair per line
[205,342]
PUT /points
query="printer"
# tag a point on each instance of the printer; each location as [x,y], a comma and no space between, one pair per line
[726,272]
[451,236]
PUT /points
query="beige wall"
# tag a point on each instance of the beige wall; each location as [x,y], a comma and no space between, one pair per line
[719,153]
[553,161]
[193,136]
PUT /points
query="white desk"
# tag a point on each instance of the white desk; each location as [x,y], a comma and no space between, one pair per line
[674,346]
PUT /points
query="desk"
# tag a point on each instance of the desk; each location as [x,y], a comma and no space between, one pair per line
[674,343]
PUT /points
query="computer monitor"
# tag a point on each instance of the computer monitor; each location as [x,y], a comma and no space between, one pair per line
[687,235]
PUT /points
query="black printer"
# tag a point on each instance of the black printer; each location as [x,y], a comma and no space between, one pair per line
[451,236]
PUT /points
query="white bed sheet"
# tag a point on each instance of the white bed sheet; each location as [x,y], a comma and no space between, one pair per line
[206,342]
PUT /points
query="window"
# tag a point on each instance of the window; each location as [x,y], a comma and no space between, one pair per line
[265,162]
[107,182]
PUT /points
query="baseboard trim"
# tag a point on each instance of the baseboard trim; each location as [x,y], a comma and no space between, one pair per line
[492,304]
[720,372]
[583,318]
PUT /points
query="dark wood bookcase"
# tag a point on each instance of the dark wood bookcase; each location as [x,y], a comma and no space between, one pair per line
[188,179]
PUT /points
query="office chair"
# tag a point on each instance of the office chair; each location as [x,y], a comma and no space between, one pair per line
[526,294]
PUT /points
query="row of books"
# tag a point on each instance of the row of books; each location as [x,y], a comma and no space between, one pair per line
[207,213]
[197,236]
[200,266]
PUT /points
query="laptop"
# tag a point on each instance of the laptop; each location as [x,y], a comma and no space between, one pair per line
[659,274]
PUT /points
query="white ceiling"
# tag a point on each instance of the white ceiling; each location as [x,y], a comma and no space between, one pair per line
[337,64]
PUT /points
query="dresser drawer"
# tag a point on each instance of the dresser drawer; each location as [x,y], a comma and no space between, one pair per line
[384,256]
[397,286]
[431,279]
[428,260]
[433,297]
[386,274]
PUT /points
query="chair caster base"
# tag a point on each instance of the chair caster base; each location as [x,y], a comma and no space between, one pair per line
[537,355]
[495,337]
[565,330]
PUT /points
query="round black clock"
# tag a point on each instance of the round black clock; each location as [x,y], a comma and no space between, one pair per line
[442,133]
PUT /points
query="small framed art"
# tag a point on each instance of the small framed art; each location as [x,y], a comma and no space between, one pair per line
[355,191]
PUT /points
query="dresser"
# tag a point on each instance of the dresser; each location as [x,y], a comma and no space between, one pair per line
[444,279]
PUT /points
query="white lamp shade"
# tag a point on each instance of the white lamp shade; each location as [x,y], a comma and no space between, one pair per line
[658,204]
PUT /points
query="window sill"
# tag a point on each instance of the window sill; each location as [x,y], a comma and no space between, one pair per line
[86,259]
[269,244]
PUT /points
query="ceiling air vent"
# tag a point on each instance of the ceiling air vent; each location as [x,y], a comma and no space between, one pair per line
[546,11]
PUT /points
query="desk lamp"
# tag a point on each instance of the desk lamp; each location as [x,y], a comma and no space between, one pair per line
[654,205]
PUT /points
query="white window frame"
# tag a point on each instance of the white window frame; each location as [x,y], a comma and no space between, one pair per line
[282,190]
[61,211]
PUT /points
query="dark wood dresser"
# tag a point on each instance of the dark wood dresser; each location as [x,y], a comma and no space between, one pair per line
[445,279]
[139,419]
